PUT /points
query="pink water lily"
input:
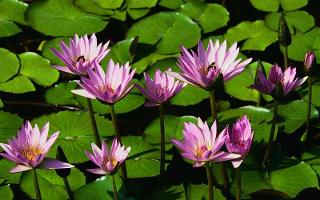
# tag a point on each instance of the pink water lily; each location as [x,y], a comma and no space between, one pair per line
[239,139]
[287,81]
[29,149]
[204,67]
[109,87]
[309,60]
[202,145]
[81,54]
[161,89]
[108,161]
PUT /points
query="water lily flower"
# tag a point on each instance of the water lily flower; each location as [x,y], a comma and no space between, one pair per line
[109,87]
[286,81]
[29,149]
[309,60]
[239,139]
[82,54]
[161,89]
[202,145]
[107,160]
[207,65]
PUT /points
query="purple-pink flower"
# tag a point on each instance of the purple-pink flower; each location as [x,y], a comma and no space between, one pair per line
[309,59]
[239,139]
[201,144]
[108,87]
[107,160]
[161,89]
[286,81]
[82,54]
[29,149]
[204,67]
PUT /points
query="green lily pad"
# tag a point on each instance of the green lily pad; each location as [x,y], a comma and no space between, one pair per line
[8,130]
[75,132]
[294,115]
[9,65]
[110,4]
[171,4]
[190,95]
[120,52]
[137,13]
[245,79]
[300,20]
[204,13]
[5,167]
[92,7]
[61,94]
[61,18]
[315,94]
[38,69]
[51,185]
[273,5]
[19,84]
[256,35]
[173,127]
[143,159]
[302,42]
[200,192]
[141,4]
[11,11]
[99,189]
[312,158]
[173,29]
[6,192]
[175,192]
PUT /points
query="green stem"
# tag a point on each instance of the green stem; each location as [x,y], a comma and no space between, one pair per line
[309,108]
[210,182]
[266,159]
[213,105]
[114,188]
[162,141]
[117,135]
[259,99]
[36,184]
[285,57]
[238,182]
[68,188]
[93,123]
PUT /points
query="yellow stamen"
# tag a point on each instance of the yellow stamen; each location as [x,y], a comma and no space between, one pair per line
[31,152]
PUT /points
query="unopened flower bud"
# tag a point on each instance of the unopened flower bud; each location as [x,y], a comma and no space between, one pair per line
[284,35]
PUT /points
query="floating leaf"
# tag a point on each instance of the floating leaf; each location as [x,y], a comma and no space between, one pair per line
[8,130]
[172,4]
[51,185]
[54,43]
[5,167]
[315,94]
[300,20]
[303,42]
[120,52]
[169,193]
[75,132]
[138,13]
[9,65]
[273,5]
[110,4]
[6,192]
[143,158]
[61,94]
[19,84]
[141,4]
[245,79]
[37,69]
[99,189]
[312,158]
[61,18]
[294,115]
[256,35]
[171,30]
[200,192]
[204,13]
[11,11]
[92,7]
[190,95]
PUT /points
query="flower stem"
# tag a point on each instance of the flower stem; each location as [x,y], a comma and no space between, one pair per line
[162,141]
[117,134]
[285,57]
[238,182]
[210,182]
[93,123]
[266,159]
[67,186]
[309,109]
[213,105]
[114,188]
[36,184]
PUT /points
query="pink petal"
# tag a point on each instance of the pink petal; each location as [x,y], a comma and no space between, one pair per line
[236,163]
[20,168]
[98,171]
[64,69]
[83,93]
[48,163]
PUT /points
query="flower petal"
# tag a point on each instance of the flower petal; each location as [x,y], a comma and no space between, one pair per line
[48,163]
[20,168]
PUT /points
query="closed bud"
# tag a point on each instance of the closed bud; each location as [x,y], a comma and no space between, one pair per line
[62,157]
[261,68]
[284,35]
[309,61]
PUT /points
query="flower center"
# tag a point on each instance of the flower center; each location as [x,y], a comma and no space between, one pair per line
[105,88]
[200,151]
[31,152]
[205,70]
[80,59]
